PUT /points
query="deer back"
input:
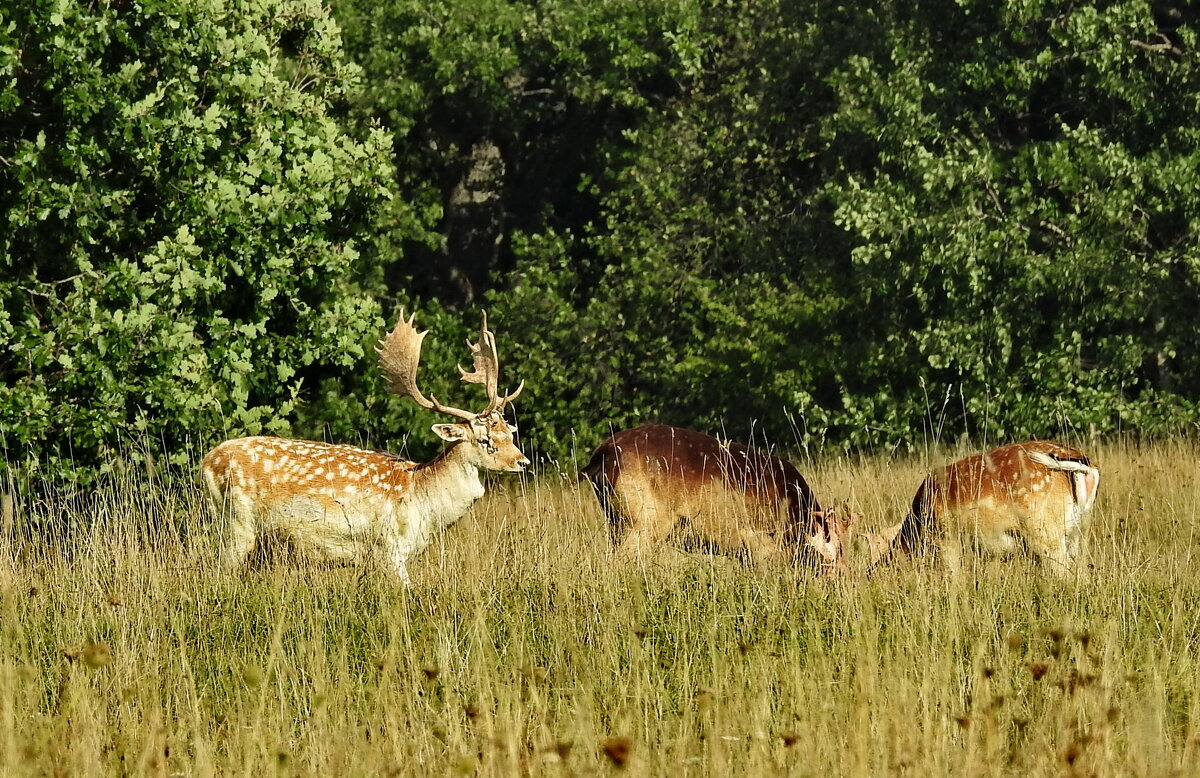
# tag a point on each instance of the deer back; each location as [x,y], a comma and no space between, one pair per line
[267,471]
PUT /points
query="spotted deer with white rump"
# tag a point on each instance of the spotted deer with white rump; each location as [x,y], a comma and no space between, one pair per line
[348,503]
[1032,495]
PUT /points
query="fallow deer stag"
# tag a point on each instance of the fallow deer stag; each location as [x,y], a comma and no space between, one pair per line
[656,483]
[1033,495]
[348,503]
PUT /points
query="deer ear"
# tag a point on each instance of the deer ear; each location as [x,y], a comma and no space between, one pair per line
[451,432]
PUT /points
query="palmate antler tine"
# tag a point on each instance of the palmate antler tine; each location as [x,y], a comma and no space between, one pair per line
[487,369]
[399,357]
[486,362]
[510,397]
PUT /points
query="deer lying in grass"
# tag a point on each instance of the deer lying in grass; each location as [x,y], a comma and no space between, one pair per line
[348,503]
[656,482]
[1033,495]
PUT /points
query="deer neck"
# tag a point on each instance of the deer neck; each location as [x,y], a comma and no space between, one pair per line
[449,485]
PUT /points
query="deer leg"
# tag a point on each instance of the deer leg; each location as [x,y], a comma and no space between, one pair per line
[950,550]
[1058,561]
[239,542]
[397,565]
[642,536]
[236,515]
[1074,530]
[396,551]
[1048,539]
[639,521]
[616,522]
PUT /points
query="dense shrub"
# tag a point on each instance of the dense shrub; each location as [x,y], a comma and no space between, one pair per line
[179,221]
[869,227]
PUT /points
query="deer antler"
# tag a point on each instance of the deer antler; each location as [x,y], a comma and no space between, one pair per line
[486,369]
[400,354]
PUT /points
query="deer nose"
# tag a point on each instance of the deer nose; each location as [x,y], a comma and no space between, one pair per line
[523,462]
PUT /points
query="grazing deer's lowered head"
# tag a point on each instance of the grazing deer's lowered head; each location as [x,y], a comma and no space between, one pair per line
[343,502]
[656,482]
[1033,495]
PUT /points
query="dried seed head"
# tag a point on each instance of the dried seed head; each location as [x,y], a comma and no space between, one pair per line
[253,675]
[618,750]
[1054,633]
[96,654]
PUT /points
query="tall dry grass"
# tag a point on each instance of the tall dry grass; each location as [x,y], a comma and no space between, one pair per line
[525,648]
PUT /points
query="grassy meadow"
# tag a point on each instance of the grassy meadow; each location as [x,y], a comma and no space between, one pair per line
[525,648]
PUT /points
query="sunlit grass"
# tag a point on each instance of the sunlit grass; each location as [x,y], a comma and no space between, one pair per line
[525,648]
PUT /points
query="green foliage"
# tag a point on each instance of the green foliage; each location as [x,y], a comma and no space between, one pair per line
[180,219]
[777,218]
[1025,209]
[931,229]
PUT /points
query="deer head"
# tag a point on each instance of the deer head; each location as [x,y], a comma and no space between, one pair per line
[489,436]
[831,541]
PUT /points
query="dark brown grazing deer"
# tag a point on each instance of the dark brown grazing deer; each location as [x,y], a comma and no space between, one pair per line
[343,502]
[1033,495]
[656,483]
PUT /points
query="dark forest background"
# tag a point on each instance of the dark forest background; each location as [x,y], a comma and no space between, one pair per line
[866,225]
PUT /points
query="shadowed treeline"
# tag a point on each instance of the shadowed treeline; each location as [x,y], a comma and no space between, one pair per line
[860,228]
